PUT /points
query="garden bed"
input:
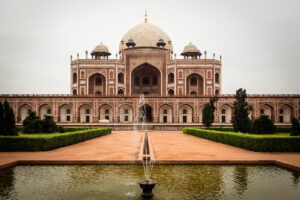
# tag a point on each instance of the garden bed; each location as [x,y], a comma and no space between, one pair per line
[49,141]
[280,142]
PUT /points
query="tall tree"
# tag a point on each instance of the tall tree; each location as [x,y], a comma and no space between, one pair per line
[1,118]
[240,120]
[208,116]
[9,126]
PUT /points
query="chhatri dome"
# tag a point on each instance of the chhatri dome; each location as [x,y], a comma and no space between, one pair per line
[145,35]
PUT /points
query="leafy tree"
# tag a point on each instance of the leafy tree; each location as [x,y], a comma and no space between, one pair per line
[32,123]
[7,118]
[1,118]
[263,125]
[240,120]
[295,127]
[208,112]
[49,126]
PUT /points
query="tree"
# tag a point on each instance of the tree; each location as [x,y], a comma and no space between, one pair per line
[208,116]
[8,123]
[32,123]
[49,126]
[295,127]
[240,120]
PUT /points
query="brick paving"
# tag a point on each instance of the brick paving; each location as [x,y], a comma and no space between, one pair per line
[168,146]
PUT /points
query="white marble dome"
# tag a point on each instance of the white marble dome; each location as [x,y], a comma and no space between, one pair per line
[145,35]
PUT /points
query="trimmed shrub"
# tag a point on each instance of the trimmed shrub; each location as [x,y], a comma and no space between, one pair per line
[49,126]
[259,143]
[295,127]
[49,142]
[263,125]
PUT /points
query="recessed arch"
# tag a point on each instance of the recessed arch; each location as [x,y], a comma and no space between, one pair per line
[23,111]
[171,77]
[65,113]
[285,113]
[194,84]
[146,78]
[225,113]
[86,113]
[145,113]
[268,110]
[97,84]
[74,78]
[121,78]
[166,114]
[45,110]
[125,113]
[185,114]
[106,113]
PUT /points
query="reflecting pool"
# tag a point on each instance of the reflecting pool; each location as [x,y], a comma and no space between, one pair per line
[113,182]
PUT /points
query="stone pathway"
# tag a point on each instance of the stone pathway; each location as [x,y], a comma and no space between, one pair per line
[168,146]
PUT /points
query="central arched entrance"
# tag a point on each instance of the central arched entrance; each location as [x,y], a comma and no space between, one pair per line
[145,79]
[145,113]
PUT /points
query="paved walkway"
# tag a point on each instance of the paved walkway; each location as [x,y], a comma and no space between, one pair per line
[168,146]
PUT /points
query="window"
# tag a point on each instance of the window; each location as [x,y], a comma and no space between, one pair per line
[126,111]
[74,92]
[98,92]
[68,118]
[184,119]
[193,81]
[120,91]
[184,111]
[154,80]
[171,92]
[87,111]
[217,92]
[223,119]
[74,78]
[165,111]
[165,119]
[262,111]
[49,111]
[171,78]
[68,111]
[193,92]
[136,80]
[281,119]
[120,78]
[223,111]
[217,78]
[126,118]
[106,111]
[145,81]
[281,111]
[107,117]
[98,81]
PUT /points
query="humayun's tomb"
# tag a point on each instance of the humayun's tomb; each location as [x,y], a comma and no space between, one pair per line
[106,91]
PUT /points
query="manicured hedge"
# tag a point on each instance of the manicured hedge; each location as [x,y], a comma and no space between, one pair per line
[279,129]
[67,129]
[48,142]
[259,143]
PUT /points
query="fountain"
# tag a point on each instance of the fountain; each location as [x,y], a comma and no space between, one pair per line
[147,184]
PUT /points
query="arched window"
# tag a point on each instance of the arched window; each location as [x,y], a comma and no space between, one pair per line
[74,92]
[98,81]
[49,111]
[217,92]
[217,80]
[194,81]
[165,111]
[106,111]
[120,91]
[87,111]
[126,111]
[262,111]
[136,80]
[154,80]
[120,78]
[68,111]
[171,78]
[171,92]
[184,111]
[223,111]
[281,111]
[193,92]
[74,78]
[145,81]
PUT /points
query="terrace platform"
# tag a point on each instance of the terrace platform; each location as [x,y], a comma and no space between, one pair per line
[169,147]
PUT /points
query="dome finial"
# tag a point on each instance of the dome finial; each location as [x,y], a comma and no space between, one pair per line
[146,16]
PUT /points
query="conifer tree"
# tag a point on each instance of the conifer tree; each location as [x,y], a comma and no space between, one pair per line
[9,123]
[1,118]
[208,112]
[240,120]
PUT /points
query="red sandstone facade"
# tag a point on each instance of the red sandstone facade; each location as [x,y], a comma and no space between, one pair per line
[107,91]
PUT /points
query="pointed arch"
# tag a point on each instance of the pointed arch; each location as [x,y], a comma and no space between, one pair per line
[166,113]
[185,113]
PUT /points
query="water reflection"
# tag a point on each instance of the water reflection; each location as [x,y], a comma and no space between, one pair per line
[174,182]
[240,179]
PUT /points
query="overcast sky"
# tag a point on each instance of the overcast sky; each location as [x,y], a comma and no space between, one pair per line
[258,40]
